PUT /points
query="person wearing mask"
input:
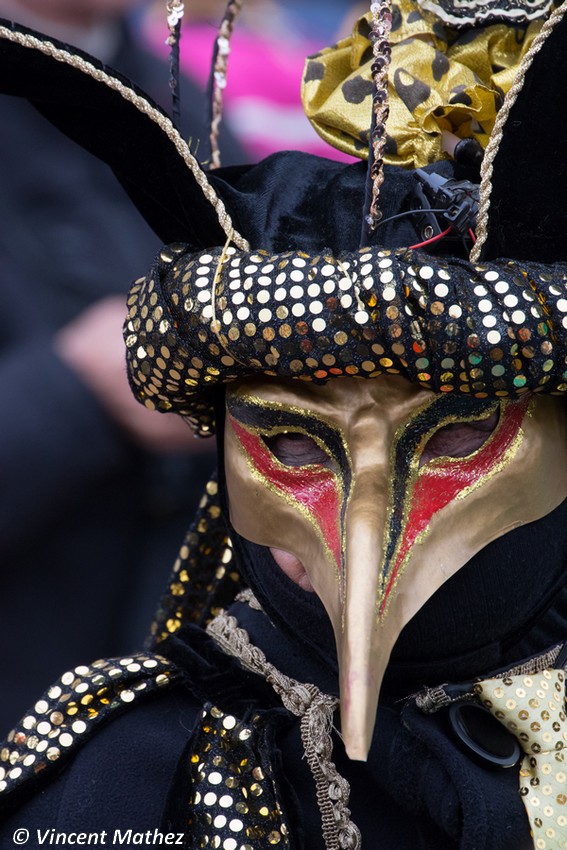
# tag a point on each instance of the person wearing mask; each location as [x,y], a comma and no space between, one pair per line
[364,638]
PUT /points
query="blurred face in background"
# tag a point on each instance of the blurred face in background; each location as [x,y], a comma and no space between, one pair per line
[71,12]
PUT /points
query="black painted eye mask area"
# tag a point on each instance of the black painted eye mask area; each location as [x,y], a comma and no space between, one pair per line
[295,438]
[459,439]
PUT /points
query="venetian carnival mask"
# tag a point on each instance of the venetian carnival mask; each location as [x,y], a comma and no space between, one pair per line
[380,491]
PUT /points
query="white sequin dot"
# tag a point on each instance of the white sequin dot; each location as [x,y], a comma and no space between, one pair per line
[389,293]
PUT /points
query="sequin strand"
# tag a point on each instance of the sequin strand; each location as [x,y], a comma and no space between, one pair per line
[217,83]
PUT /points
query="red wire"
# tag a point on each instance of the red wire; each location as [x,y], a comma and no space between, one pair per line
[432,240]
[472,235]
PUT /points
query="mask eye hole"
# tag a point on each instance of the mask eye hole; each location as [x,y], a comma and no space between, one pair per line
[294,448]
[459,439]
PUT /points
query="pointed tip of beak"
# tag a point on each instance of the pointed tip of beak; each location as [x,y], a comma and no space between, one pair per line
[358,751]
[359,704]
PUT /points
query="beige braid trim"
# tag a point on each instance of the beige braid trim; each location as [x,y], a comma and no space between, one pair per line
[316,712]
[128,94]
[498,130]
[431,700]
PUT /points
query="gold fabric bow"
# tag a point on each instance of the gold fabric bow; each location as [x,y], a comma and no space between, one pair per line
[533,709]
[440,78]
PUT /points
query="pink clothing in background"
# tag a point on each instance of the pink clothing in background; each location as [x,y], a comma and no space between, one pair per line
[262,100]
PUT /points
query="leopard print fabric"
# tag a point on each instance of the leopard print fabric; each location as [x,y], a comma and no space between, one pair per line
[441,78]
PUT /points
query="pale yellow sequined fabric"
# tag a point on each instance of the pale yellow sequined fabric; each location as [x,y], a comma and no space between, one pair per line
[440,79]
[533,708]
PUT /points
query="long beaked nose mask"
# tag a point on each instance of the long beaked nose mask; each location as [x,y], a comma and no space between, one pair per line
[382,491]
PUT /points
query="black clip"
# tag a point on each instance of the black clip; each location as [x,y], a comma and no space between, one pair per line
[445,202]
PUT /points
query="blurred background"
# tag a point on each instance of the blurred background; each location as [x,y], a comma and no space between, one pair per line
[97,492]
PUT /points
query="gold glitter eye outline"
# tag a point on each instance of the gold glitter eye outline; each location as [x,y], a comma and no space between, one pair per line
[417,431]
[270,419]
[470,432]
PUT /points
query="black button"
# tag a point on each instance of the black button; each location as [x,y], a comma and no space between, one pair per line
[483,737]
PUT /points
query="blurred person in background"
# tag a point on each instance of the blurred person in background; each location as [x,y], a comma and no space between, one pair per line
[263,109]
[93,486]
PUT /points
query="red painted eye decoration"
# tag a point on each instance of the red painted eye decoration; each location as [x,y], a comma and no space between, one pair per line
[299,468]
[438,483]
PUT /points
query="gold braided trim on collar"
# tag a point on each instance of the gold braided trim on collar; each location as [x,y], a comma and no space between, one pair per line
[498,130]
[140,102]
[315,709]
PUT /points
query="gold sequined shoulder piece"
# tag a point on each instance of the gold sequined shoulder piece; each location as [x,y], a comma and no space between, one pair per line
[234,800]
[204,578]
[67,57]
[72,709]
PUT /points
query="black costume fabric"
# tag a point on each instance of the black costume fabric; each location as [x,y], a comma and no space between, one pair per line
[80,503]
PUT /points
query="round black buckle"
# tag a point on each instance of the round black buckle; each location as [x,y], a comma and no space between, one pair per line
[483,737]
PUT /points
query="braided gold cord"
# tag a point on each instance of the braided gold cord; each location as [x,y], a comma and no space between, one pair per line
[128,94]
[498,130]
